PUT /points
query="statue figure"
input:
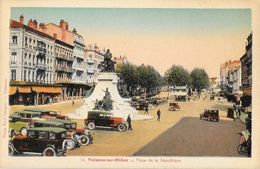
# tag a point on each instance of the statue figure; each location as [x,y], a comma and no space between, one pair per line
[107,101]
[107,65]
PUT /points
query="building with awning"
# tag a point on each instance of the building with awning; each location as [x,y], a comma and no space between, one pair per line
[33,93]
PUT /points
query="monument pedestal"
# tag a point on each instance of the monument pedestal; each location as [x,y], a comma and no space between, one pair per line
[121,106]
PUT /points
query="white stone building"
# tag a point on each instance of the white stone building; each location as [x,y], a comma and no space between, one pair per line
[31,53]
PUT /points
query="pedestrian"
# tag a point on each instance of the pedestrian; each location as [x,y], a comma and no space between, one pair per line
[72,102]
[129,120]
[146,108]
[158,115]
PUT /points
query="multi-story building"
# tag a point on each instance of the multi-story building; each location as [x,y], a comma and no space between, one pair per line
[31,64]
[76,84]
[94,58]
[226,73]
[236,78]
[246,73]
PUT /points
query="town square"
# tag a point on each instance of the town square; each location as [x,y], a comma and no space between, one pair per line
[130,82]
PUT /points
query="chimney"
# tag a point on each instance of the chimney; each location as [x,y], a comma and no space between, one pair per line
[21,19]
[35,24]
[42,27]
[74,31]
[64,25]
[55,35]
[30,23]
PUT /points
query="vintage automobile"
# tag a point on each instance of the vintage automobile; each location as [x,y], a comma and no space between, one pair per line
[80,136]
[20,120]
[48,141]
[210,115]
[174,106]
[48,114]
[104,119]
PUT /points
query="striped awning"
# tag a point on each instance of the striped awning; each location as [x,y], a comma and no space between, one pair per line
[24,89]
[40,89]
[12,90]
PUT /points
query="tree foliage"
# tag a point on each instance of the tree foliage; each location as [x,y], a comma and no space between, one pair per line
[133,77]
[177,76]
[199,79]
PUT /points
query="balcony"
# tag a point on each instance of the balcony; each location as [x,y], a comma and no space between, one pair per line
[90,61]
[41,66]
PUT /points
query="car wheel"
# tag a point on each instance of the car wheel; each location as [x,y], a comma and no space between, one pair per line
[23,131]
[121,127]
[84,140]
[11,151]
[68,144]
[49,151]
[91,126]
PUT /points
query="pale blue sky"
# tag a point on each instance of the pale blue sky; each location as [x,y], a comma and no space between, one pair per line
[142,20]
[157,36]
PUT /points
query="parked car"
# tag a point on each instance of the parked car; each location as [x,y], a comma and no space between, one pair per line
[46,141]
[174,106]
[210,115]
[104,119]
[48,114]
[79,135]
[20,120]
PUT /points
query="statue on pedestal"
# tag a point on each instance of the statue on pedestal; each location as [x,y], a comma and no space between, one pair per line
[106,103]
[107,65]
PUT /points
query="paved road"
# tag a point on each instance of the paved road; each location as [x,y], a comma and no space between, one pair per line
[194,137]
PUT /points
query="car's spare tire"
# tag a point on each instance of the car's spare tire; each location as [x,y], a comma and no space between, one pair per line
[91,126]
[84,140]
[121,127]
[49,152]
[23,131]
[68,144]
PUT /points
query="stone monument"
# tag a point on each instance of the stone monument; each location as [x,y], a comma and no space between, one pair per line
[105,95]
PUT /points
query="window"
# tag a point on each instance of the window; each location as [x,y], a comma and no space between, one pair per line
[13,74]
[28,116]
[14,39]
[24,75]
[31,134]
[13,57]
[52,136]
[43,135]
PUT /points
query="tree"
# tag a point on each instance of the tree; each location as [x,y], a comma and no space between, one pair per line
[177,76]
[199,78]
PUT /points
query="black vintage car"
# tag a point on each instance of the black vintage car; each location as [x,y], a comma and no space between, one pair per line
[210,115]
[46,141]
[104,119]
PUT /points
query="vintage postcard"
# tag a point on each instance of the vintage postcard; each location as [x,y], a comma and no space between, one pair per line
[134,84]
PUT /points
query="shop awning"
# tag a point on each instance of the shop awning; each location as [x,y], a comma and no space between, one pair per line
[39,89]
[24,89]
[12,90]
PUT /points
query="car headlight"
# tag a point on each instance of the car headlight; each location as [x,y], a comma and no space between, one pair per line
[86,132]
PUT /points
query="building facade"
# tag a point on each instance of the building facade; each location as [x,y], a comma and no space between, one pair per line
[31,64]
[94,57]
[246,73]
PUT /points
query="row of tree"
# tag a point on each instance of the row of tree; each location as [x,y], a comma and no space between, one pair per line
[135,78]
[179,76]
[139,79]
